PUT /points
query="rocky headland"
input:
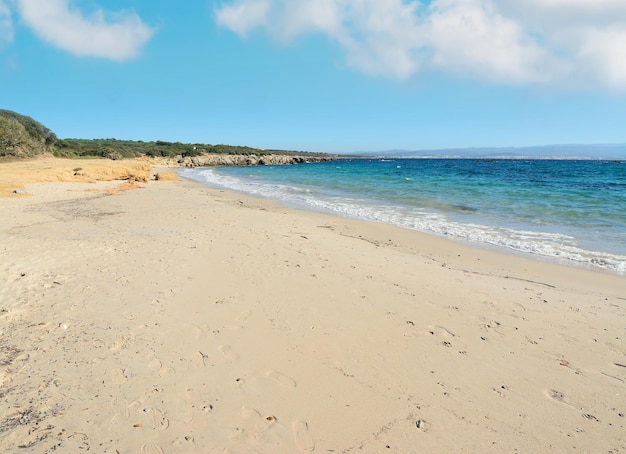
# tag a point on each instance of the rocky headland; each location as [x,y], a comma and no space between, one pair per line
[212,160]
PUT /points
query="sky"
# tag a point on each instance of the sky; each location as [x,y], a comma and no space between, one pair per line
[333,76]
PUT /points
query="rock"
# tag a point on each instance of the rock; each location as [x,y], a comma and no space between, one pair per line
[212,160]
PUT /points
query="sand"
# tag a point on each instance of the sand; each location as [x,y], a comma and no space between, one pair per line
[181,319]
[15,175]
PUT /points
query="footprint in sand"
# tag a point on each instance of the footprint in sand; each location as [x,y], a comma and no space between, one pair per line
[249,428]
[244,316]
[490,325]
[118,376]
[159,368]
[159,421]
[253,427]
[155,365]
[157,417]
[199,332]
[199,359]
[151,449]
[228,352]
[157,306]
[301,434]
[253,418]
[119,407]
[121,344]
[166,370]
[236,433]
[199,400]
[441,331]
[281,379]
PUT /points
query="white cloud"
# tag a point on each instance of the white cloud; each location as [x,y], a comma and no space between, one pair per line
[585,4]
[116,36]
[6,25]
[513,42]
[245,16]
[382,37]
[603,53]
[471,36]
[283,19]
[379,36]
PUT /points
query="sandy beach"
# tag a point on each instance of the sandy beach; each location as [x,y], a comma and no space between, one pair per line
[175,318]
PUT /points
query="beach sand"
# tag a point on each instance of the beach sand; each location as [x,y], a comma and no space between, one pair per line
[176,318]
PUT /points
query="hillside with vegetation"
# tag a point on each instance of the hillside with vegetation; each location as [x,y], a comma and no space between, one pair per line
[23,137]
[123,149]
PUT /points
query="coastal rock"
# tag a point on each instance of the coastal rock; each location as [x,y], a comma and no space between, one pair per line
[212,160]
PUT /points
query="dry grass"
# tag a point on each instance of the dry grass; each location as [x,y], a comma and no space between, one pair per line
[17,174]
[166,176]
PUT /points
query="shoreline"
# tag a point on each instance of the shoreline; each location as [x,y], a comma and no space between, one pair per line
[613,268]
[182,318]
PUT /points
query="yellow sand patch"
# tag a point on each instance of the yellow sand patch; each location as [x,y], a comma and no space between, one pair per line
[15,175]
[166,176]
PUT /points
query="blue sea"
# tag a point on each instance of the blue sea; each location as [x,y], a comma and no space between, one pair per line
[570,211]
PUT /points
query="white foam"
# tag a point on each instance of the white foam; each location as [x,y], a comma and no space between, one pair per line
[554,245]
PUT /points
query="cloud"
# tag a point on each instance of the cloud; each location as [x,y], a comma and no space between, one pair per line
[379,36]
[116,36]
[575,43]
[6,25]
[603,52]
[472,37]
[243,17]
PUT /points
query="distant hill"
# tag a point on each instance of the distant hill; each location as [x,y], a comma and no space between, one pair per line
[21,136]
[565,151]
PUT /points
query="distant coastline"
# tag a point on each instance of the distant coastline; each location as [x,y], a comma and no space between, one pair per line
[562,151]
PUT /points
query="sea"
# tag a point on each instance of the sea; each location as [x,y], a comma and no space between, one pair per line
[569,211]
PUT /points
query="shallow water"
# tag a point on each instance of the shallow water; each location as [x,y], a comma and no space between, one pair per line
[570,211]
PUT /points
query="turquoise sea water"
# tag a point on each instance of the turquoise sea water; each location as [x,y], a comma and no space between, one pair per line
[569,211]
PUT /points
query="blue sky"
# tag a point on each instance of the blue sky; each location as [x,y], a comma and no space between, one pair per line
[320,75]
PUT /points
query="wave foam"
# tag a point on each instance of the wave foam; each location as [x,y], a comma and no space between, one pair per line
[553,245]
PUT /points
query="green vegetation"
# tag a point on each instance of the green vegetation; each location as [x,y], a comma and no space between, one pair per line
[121,149]
[21,137]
